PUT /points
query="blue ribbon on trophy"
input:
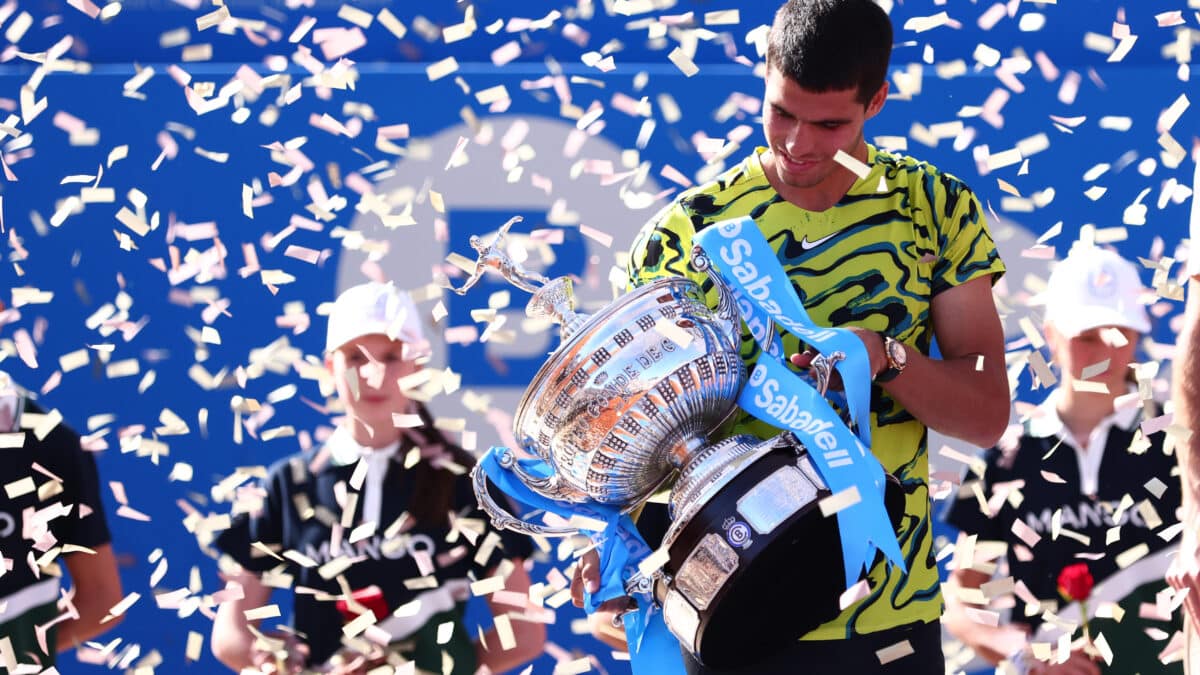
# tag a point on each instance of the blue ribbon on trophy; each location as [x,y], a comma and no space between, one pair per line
[652,648]
[776,394]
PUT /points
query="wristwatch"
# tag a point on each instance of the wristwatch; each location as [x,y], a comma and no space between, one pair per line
[897,359]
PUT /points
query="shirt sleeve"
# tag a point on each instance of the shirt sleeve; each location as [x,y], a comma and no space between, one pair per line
[62,452]
[964,242]
[965,512]
[663,247]
[264,525]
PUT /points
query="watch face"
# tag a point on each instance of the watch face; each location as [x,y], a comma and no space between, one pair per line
[896,354]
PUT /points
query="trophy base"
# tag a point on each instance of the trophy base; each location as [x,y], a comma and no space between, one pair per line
[757,565]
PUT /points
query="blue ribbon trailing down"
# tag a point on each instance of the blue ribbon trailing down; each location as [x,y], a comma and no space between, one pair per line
[745,260]
[652,647]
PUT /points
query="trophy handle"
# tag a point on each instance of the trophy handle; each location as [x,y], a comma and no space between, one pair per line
[727,309]
[500,517]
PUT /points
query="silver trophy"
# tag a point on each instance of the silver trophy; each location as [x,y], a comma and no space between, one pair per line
[625,405]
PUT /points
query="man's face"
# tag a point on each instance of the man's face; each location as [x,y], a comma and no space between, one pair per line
[805,129]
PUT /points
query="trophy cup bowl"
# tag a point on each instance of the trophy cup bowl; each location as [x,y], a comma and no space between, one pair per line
[626,403]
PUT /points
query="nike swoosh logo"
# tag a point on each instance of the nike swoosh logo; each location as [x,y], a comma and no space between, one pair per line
[807,245]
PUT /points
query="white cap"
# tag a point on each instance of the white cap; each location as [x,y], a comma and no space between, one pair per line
[373,308]
[1094,287]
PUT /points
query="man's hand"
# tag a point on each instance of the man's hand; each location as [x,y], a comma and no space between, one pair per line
[1079,663]
[288,656]
[876,356]
[587,575]
[1184,574]
[352,662]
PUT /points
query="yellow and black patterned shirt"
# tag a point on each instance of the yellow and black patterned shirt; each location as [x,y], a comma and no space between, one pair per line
[876,259]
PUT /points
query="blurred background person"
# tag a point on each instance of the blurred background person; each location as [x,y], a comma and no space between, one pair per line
[1079,483]
[1185,571]
[385,467]
[52,499]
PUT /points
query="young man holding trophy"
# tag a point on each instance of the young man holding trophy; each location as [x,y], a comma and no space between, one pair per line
[885,246]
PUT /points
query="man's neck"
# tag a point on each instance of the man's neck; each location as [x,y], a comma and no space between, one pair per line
[382,438]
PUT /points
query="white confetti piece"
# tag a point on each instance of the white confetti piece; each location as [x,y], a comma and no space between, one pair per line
[894,652]
[683,62]
[839,501]
[853,594]
[1127,558]
[852,163]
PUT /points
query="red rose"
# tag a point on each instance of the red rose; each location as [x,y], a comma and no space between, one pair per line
[1075,582]
[371,598]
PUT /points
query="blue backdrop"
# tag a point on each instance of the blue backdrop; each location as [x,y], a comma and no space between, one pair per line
[90,259]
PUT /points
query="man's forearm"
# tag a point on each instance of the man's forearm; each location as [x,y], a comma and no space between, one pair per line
[74,632]
[1186,395]
[959,397]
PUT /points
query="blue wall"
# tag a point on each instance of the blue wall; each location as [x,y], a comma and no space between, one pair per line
[82,263]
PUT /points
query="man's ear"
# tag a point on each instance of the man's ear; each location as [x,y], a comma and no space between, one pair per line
[877,101]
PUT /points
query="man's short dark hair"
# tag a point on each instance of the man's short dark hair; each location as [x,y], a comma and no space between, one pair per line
[832,45]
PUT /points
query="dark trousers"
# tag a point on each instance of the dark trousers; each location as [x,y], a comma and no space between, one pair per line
[855,656]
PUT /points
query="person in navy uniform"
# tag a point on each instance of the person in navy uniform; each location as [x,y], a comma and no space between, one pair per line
[1081,483]
[384,506]
[62,507]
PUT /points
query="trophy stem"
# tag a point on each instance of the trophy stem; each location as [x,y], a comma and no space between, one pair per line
[686,451]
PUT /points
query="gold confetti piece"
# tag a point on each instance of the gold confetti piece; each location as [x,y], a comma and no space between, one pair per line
[487,586]
[195,645]
[894,652]
[20,488]
[504,631]
[421,583]
[723,17]
[42,425]
[12,440]
[440,69]
[130,220]
[580,665]
[1172,114]
[30,296]
[458,31]
[585,523]
[200,52]
[358,625]
[683,62]
[839,501]
[1089,387]
[264,612]
[920,24]
[390,22]
[123,368]
[213,18]
[356,16]
[1004,159]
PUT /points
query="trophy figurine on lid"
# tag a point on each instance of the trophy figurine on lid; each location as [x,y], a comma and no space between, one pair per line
[626,404]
